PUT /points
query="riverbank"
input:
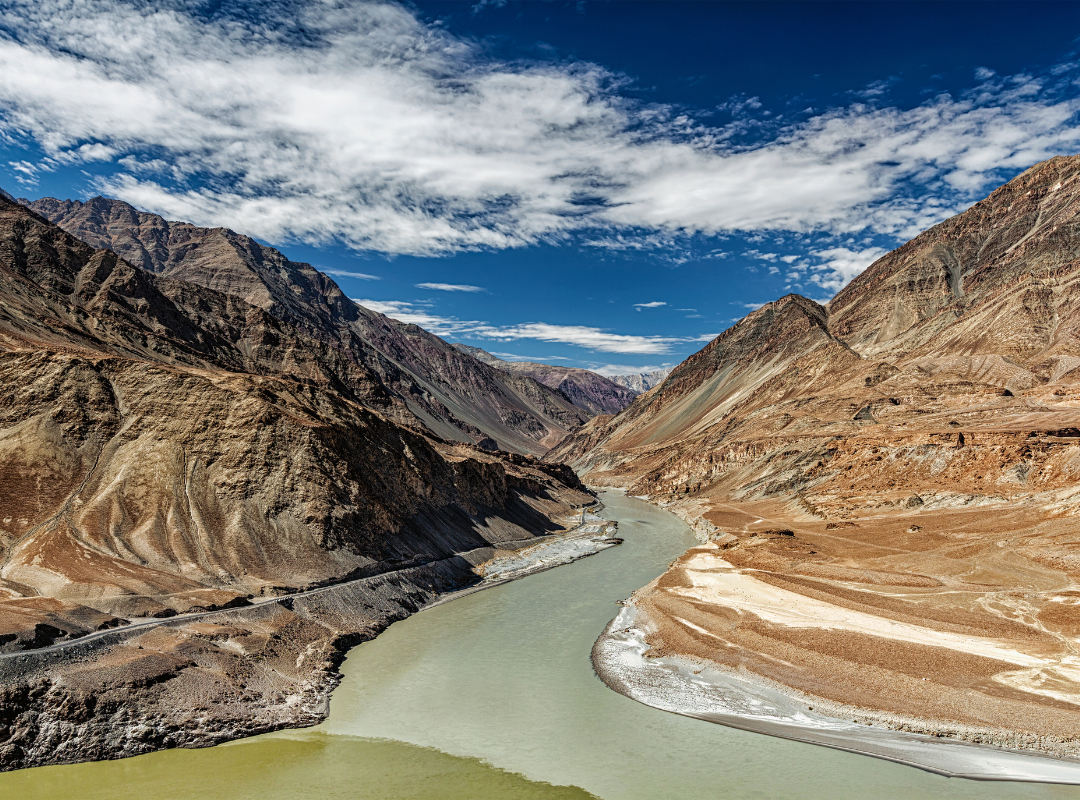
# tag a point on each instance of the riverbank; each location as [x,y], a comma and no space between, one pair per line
[204,679]
[701,640]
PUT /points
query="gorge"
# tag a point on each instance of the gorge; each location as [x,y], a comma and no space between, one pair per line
[882,488]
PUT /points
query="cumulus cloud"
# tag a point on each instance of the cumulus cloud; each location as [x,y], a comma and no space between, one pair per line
[451,287]
[588,337]
[653,304]
[356,122]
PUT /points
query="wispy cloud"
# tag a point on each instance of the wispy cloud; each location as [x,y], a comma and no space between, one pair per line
[344,273]
[653,304]
[451,287]
[515,357]
[607,370]
[588,337]
[359,123]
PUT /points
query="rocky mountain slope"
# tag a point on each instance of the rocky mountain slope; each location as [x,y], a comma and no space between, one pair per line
[429,383]
[587,390]
[922,430]
[166,447]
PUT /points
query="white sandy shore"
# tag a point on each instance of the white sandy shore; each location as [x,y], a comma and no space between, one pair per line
[748,702]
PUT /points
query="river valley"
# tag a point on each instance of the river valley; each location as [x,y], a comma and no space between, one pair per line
[494,696]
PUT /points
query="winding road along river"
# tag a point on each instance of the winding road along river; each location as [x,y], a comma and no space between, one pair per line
[493,696]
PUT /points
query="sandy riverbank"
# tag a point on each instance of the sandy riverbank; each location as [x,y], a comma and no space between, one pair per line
[862,636]
[742,700]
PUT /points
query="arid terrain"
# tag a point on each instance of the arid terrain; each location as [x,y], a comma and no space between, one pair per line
[886,487]
[169,448]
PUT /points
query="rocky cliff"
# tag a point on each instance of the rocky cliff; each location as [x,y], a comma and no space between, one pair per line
[429,383]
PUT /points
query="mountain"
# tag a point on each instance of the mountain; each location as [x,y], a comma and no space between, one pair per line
[162,437]
[480,354]
[587,390]
[908,452]
[641,382]
[423,381]
[167,448]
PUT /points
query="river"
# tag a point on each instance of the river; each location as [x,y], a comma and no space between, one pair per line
[493,696]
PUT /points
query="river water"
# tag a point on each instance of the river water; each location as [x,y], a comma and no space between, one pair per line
[493,696]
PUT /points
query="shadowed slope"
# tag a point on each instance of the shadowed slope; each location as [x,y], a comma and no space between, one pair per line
[160,439]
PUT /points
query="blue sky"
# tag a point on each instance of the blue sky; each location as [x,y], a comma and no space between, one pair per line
[599,184]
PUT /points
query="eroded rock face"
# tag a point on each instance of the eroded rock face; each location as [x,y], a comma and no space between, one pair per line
[424,381]
[167,448]
[919,435]
[966,332]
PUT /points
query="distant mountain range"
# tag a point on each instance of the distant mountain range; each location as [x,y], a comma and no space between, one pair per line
[641,382]
[587,390]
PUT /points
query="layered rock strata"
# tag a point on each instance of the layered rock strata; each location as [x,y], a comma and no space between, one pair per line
[415,377]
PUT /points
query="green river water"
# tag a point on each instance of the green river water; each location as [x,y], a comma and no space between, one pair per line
[493,696]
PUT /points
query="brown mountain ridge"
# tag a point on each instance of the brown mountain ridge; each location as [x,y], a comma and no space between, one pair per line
[919,439]
[429,383]
[165,448]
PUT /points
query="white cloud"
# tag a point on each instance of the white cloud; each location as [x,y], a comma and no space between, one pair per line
[344,273]
[584,336]
[580,335]
[840,264]
[451,287]
[653,304]
[515,357]
[607,370]
[415,314]
[356,122]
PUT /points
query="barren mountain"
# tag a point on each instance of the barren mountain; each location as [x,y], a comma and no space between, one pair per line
[641,382]
[586,390]
[166,447]
[910,452]
[429,383]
